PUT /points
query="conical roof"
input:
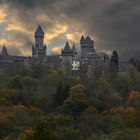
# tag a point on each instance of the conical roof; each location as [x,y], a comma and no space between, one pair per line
[74,49]
[67,47]
[88,38]
[4,51]
[39,30]
[82,38]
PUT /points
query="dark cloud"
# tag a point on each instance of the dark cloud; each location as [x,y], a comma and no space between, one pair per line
[115,23]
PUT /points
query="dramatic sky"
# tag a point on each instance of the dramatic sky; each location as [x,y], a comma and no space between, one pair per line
[113,24]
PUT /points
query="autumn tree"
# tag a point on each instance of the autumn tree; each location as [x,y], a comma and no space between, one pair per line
[7,97]
[77,101]
[61,94]
[55,127]
[15,82]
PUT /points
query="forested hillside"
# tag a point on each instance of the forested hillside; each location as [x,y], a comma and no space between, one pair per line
[38,103]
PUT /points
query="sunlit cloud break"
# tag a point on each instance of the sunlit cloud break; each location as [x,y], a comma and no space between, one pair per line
[114,24]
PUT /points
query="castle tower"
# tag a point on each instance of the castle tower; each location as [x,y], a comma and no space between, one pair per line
[74,51]
[87,46]
[4,51]
[4,55]
[39,37]
[66,50]
[67,56]
[39,49]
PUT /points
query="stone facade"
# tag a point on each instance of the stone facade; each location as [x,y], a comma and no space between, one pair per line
[68,54]
[39,49]
[87,47]
[69,57]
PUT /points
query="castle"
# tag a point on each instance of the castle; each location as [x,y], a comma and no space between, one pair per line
[69,56]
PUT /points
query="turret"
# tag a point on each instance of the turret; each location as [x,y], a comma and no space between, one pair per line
[39,49]
[67,47]
[39,37]
[66,50]
[4,51]
[82,38]
[4,55]
[74,51]
[87,46]
[39,31]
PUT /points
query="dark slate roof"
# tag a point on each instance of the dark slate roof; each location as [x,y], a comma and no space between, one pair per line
[82,38]
[39,30]
[67,47]
[88,38]
[73,49]
[4,51]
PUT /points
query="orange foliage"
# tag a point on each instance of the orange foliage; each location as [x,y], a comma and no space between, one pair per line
[91,110]
[117,110]
[128,114]
[3,118]
[35,111]
[61,72]
[79,88]
[20,108]
[133,95]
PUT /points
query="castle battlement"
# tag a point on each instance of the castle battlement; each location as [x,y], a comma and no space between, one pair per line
[69,54]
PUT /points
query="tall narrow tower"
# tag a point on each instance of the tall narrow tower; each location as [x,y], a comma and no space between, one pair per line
[4,56]
[87,46]
[39,37]
[39,49]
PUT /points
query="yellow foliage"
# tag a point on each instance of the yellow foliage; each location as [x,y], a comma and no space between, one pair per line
[133,95]
[6,96]
[35,111]
[61,72]
[3,117]
[123,110]
[103,83]
[79,88]
[128,114]
[20,108]
[91,110]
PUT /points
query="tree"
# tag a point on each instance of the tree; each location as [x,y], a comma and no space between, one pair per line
[133,95]
[123,84]
[106,124]
[15,82]
[130,115]
[37,70]
[77,101]
[115,100]
[61,94]
[104,85]
[114,63]
[7,97]
[43,132]
[5,125]
[55,127]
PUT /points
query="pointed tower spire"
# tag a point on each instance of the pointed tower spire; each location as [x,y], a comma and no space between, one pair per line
[74,49]
[67,47]
[39,51]
[82,38]
[39,37]
[4,51]
[4,55]
[39,30]
[88,39]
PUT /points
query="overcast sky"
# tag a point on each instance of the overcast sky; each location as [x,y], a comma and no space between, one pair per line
[113,24]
